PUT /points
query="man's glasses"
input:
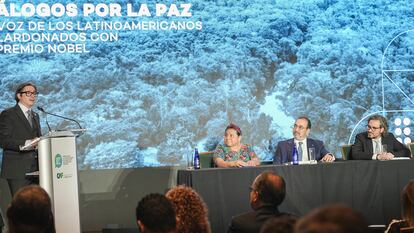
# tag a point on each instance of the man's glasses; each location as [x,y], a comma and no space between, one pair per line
[29,93]
[298,127]
[372,127]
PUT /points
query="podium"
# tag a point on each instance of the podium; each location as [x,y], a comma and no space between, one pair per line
[58,175]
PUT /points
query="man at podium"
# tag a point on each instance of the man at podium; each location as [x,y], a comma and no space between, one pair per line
[19,133]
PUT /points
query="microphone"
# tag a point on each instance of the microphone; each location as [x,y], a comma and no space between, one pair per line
[56,115]
[47,122]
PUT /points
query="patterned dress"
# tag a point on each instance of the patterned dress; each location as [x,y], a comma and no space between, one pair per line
[245,153]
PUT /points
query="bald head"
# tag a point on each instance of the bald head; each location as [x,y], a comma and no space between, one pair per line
[271,188]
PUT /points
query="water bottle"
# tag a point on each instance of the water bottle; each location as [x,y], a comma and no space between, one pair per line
[196,159]
[295,157]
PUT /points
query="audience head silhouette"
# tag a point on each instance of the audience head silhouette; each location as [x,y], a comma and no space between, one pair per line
[332,219]
[190,209]
[408,203]
[30,211]
[267,189]
[283,224]
[155,214]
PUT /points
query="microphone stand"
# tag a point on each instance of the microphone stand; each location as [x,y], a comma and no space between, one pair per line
[56,115]
[47,122]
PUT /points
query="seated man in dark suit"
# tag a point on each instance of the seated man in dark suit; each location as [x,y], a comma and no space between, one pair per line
[371,144]
[267,193]
[301,130]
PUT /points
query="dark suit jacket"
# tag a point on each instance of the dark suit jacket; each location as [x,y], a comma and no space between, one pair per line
[14,131]
[363,149]
[284,150]
[251,222]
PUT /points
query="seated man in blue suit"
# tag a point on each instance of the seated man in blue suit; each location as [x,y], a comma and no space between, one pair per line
[301,130]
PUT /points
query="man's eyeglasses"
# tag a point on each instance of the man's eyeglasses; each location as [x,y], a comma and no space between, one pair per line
[373,128]
[298,127]
[29,93]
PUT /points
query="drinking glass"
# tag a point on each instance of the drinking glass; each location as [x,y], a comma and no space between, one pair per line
[311,154]
[190,161]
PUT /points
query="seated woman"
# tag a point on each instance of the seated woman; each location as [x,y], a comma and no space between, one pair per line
[407,199]
[233,153]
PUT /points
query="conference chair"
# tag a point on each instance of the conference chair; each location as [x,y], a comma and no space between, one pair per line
[206,159]
[346,151]
[411,147]
[266,162]
[407,230]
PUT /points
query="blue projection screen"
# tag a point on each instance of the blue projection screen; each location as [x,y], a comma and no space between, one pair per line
[152,80]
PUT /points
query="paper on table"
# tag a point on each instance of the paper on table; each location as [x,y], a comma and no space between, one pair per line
[400,158]
[35,173]
[303,162]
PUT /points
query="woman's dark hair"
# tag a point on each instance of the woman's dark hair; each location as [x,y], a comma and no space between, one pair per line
[235,127]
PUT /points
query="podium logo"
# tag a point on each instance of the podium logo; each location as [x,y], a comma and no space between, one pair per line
[58,161]
[59,175]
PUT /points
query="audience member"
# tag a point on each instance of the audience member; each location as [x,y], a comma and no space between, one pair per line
[407,220]
[301,130]
[370,144]
[30,211]
[266,194]
[284,224]
[191,211]
[334,218]
[155,214]
[1,221]
[233,153]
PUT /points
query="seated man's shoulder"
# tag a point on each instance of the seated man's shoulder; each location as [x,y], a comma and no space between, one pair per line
[362,135]
[390,135]
[315,142]
[242,218]
[284,142]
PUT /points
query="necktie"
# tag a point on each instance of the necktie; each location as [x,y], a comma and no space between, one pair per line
[30,117]
[377,147]
[300,151]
